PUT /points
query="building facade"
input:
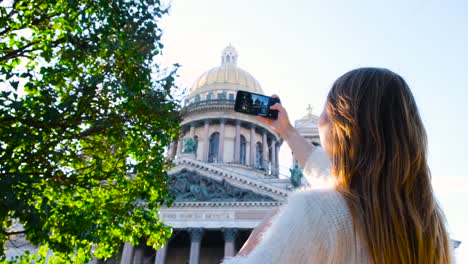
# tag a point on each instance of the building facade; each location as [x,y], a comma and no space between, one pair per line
[226,171]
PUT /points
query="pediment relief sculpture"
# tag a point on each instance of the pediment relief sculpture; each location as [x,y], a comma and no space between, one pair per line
[190,186]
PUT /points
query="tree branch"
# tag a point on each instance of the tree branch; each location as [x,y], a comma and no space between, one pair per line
[34,22]
[17,53]
[21,51]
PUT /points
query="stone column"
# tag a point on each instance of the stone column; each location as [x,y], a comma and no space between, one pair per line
[230,235]
[179,146]
[138,256]
[294,161]
[237,146]
[277,160]
[127,254]
[221,141]
[196,235]
[161,255]
[265,150]
[252,146]
[273,157]
[172,150]
[192,130]
[206,141]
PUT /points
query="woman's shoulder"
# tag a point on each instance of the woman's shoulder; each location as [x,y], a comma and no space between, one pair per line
[320,197]
[327,206]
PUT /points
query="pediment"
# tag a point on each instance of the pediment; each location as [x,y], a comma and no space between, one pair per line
[191,186]
[216,183]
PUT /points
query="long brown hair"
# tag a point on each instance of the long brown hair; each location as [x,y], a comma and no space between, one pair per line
[379,158]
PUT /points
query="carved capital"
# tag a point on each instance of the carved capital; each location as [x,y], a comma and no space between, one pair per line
[196,234]
[230,234]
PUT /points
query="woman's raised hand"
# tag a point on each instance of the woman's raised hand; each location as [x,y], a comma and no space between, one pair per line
[298,144]
[282,125]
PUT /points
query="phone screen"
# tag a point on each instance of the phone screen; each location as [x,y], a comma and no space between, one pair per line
[255,104]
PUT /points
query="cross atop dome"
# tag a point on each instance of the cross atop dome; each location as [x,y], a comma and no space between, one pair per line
[229,56]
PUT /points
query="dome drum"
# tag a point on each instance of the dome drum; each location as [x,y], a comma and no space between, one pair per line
[235,142]
[222,97]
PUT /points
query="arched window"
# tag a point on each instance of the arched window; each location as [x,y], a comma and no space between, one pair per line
[243,149]
[222,95]
[258,155]
[209,96]
[213,147]
[197,98]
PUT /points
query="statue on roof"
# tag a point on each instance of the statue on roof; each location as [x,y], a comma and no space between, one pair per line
[190,145]
[309,110]
[296,176]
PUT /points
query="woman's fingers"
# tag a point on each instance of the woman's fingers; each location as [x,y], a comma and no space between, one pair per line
[277,106]
[264,119]
[275,123]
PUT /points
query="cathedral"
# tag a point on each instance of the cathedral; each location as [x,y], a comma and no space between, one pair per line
[226,176]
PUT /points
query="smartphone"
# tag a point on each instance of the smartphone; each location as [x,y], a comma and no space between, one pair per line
[255,104]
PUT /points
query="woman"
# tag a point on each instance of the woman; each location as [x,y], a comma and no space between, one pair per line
[374,203]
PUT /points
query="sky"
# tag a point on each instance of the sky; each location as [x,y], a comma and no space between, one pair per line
[297,49]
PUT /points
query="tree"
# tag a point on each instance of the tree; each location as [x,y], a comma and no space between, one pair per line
[85,115]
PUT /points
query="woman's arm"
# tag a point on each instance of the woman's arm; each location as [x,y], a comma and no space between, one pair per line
[298,144]
[256,235]
[313,160]
[300,233]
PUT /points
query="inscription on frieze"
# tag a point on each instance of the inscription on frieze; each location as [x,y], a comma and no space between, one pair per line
[250,215]
[198,216]
[218,216]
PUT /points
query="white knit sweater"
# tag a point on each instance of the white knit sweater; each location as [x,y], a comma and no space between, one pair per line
[315,226]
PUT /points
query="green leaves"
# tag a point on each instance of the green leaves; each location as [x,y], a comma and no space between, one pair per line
[83,126]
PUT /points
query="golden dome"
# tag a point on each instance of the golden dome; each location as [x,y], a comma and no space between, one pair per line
[226,75]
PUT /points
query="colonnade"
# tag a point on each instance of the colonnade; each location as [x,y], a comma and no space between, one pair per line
[176,147]
[131,254]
